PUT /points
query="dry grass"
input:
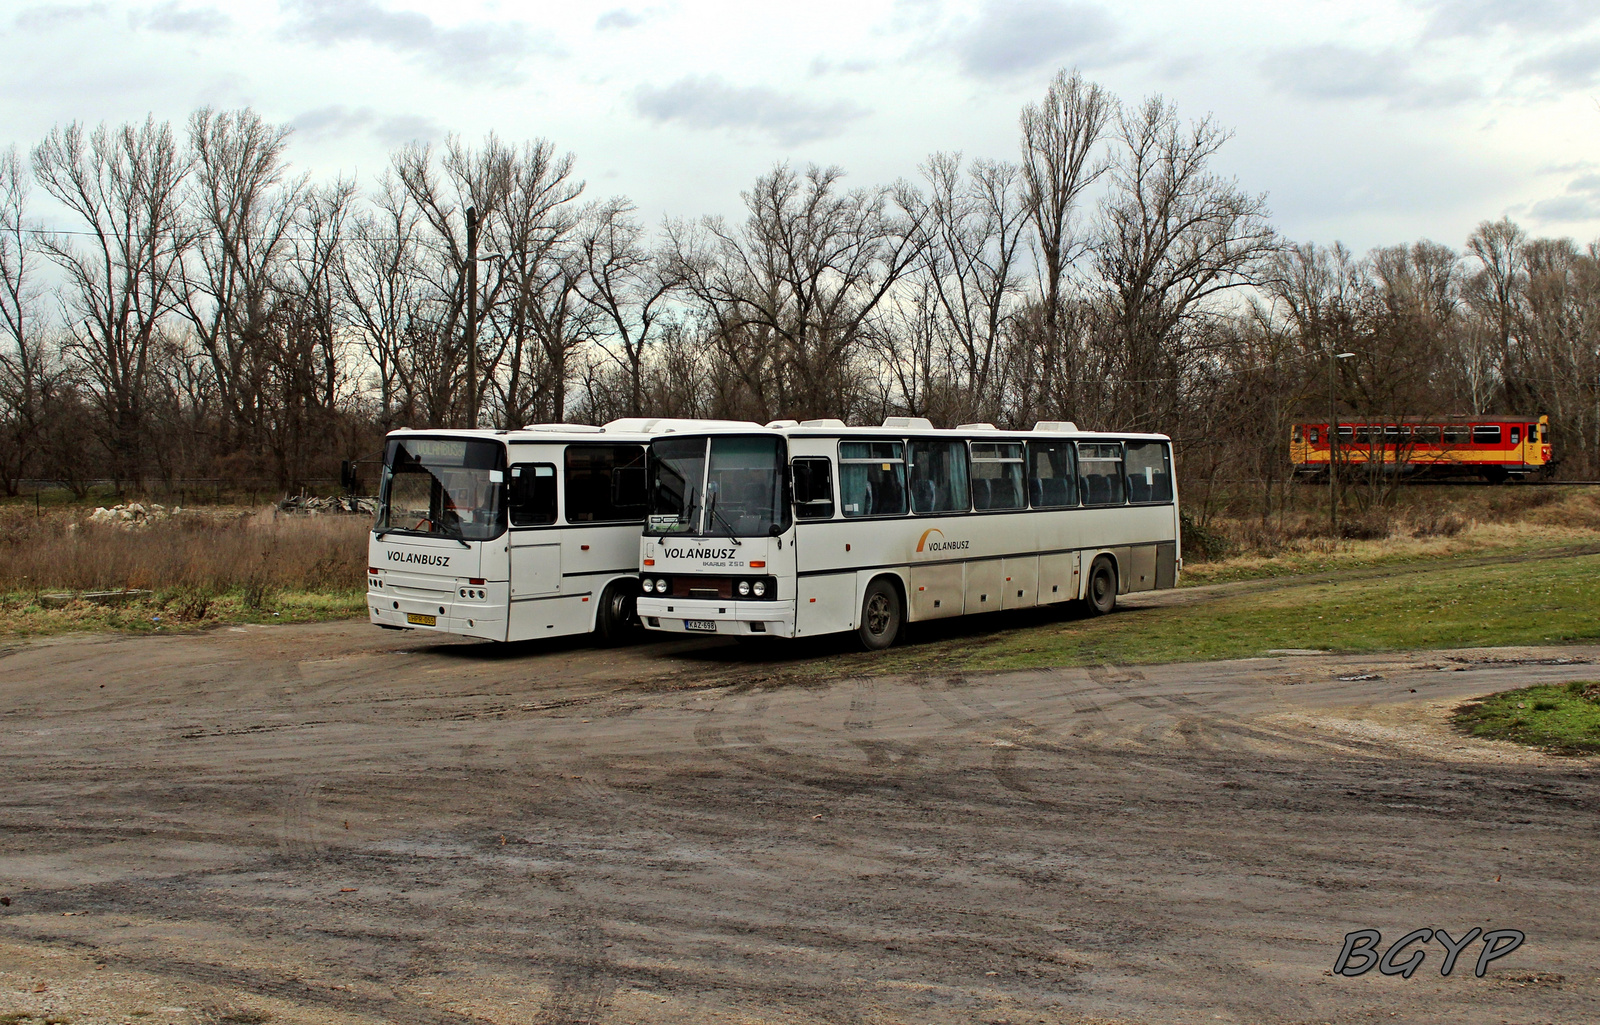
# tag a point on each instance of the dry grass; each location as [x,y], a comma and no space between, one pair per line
[1425,523]
[205,554]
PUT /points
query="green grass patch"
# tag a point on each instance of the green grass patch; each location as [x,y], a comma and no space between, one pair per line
[1554,717]
[1544,601]
[178,609]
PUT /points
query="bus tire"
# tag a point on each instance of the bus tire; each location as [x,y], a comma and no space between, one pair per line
[1101,593]
[881,616]
[614,620]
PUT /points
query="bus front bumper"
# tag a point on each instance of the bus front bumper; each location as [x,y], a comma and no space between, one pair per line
[471,619]
[715,616]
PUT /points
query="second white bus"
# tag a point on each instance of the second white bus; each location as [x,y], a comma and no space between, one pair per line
[512,535]
[804,529]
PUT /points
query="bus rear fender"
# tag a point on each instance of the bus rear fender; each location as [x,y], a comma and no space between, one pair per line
[1088,562]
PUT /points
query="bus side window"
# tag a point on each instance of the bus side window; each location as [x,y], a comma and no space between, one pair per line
[939,477]
[872,478]
[813,489]
[1149,472]
[605,483]
[1052,475]
[533,494]
[1100,472]
[997,475]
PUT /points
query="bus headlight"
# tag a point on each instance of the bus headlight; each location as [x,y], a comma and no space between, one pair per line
[744,588]
[761,588]
[661,585]
[649,586]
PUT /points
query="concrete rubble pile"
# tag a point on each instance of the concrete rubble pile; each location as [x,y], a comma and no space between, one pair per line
[315,505]
[133,515]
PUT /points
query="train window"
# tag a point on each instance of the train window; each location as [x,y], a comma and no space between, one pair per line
[997,475]
[1316,435]
[1346,432]
[1427,435]
[533,494]
[1149,472]
[1052,474]
[1298,434]
[813,489]
[1456,435]
[938,471]
[872,478]
[1100,472]
[1516,435]
[1486,434]
[1369,435]
[1544,434]
[1533,433]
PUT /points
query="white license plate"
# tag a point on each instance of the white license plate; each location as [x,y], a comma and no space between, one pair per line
[418,619]
[707,625]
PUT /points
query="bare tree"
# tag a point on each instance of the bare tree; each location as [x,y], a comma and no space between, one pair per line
[792,298]
[27,373]
[1173,235]
[244,211]
[123,186]
[974,224]
[1061,139]
[628,284]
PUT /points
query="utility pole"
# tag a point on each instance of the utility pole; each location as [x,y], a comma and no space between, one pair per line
[472,316]
[1333,444]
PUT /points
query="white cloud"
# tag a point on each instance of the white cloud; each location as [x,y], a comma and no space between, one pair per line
[711,103]
[1332,71]
[1011,37]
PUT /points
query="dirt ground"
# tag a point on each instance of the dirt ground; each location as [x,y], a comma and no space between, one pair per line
[338,824]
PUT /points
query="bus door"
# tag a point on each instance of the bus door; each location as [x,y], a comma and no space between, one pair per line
[535,549]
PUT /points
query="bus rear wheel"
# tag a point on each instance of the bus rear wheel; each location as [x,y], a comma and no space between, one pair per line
[614,620]
[1102,592]
[881,616]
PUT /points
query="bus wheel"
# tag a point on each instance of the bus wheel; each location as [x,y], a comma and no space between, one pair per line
[615,619]
[1102,596]
[880,616]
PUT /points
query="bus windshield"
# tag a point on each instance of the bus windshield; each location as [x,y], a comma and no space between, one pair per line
[443,486]
[719,486]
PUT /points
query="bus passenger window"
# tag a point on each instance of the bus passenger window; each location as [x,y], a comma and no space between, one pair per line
[605,483]
[1149,472]
[533,494]
[997,475]
[813,489]
[939,477]
[1052,475]
[1100,472]
[872,478]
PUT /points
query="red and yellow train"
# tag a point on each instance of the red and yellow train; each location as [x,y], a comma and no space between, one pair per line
[1496,448]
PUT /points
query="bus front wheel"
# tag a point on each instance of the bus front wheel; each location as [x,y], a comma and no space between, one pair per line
[615,618]
[881,616]
[1102,593]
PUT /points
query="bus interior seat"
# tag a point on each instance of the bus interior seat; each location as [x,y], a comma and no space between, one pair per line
[980,493]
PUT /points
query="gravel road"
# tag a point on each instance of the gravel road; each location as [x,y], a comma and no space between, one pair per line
[336,824]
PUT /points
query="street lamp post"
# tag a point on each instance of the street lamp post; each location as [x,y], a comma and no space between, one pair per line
[472,316]
[1333,445]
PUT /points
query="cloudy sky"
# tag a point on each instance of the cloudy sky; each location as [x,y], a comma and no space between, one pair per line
[1367,122]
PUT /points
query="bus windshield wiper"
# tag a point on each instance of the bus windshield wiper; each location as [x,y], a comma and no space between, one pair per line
[711,510]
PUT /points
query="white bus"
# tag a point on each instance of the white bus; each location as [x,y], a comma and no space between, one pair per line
[512,535]
[802,529]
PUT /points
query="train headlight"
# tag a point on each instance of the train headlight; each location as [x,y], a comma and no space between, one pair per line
[649,586]
[744,588]
[661,585]
[761,588]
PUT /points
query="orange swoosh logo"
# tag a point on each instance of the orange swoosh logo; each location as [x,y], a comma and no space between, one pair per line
[923,540]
